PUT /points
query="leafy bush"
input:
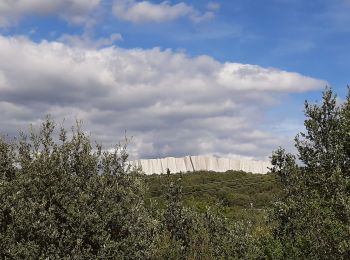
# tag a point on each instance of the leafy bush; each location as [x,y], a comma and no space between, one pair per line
[63,198]
[208,235]
[313,216]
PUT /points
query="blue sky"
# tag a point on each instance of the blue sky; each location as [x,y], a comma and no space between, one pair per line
[227,78]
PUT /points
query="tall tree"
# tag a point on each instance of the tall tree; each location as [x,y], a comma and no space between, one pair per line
[313,217]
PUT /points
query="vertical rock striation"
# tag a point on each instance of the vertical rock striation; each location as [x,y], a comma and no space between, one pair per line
[199,163]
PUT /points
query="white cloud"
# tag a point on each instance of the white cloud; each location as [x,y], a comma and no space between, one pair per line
[145,11]
[171,103]
[245,77]
[86,41]
[74,11]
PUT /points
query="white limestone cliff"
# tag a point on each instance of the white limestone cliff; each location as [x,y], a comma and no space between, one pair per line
[198,163]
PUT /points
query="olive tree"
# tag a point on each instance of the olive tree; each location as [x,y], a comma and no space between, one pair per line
[312,218]
[62,198]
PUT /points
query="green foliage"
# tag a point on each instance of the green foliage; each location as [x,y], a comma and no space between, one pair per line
[241,196]
[312,219]
[206,235]
[63,199]
[224,214]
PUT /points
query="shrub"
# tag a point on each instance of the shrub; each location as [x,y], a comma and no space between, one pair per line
[63,199]
[313,216]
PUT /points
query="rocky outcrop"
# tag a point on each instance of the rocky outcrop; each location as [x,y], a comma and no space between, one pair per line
[198,163]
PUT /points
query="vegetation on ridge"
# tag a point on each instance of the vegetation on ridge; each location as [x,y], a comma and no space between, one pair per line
[240,195]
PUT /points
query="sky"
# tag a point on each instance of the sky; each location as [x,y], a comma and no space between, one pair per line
[223,78]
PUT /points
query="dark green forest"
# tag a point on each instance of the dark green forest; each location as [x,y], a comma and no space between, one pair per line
[61,197]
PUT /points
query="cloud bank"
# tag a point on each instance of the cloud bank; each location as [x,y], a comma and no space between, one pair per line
[74,11]
[171,103]
[81,12]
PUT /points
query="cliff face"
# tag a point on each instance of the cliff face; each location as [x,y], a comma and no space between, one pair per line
[197,163]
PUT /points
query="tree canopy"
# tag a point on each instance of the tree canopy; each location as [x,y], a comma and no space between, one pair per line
[65,198]
[313,216]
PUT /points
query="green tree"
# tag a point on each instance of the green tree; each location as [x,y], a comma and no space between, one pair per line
[312,218]
[207,235]
[65,199]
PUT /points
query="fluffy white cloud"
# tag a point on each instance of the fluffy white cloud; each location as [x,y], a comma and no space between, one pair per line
[74,11]
[171,103]
[146,11]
